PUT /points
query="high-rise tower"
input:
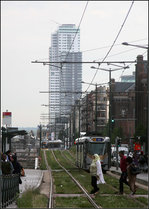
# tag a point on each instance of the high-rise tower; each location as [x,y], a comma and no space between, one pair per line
[65,46]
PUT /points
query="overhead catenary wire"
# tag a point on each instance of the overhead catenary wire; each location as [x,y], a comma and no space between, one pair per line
[113,42]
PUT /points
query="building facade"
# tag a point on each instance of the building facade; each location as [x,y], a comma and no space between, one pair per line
[64,79]
[123,107]
[141,95]
[94,111]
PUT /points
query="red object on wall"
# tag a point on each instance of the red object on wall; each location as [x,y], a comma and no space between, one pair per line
[6,114]
[137,146]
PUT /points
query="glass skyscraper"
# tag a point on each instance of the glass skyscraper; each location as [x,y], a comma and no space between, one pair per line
[64,79]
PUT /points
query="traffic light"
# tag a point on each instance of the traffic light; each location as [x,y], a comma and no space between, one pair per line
[112,123]
[119,141]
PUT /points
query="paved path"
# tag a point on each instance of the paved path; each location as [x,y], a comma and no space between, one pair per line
[32,179]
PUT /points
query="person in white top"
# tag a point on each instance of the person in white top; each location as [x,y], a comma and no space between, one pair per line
[96,173]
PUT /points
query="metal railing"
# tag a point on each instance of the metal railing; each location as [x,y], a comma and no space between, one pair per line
[9,188]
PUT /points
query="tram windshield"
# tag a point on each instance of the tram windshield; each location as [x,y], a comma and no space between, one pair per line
[95,148]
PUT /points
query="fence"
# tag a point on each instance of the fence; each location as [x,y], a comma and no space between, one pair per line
[9,188]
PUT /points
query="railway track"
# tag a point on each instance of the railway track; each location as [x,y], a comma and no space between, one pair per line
[89,197]
[50,201]
[116,176]
[93,203]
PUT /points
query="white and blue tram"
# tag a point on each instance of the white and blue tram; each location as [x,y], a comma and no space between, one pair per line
[52,144]
[87,146]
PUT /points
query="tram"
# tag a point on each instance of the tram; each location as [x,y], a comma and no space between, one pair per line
[54,144]
[87,146]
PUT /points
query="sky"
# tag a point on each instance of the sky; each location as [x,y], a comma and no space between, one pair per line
[26,28]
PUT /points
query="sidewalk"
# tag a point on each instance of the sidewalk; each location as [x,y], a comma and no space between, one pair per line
[141,178]
[32,179]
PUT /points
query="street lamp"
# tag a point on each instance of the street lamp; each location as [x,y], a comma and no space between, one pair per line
[144,47]
[127,44]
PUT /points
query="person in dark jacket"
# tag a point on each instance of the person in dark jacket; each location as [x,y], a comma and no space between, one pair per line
[5,165]
[123,167]
[17,167]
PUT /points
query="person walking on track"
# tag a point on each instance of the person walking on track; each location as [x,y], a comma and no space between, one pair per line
[96,173]
[123,167]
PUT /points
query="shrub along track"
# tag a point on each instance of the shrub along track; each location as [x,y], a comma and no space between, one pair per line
[113,187]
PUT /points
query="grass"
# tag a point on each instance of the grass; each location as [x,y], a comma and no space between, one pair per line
[32,199]
[69,156]
[51,161]
[72,202]
[42,164]
[72,150]
[143,200]
[117,202]
[115,183]
[64,184]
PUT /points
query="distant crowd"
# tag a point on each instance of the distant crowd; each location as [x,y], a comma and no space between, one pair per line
[140,160]
[10,165]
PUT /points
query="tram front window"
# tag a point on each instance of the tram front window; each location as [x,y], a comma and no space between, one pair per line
[95,148]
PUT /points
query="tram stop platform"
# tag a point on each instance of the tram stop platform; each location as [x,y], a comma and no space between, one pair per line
[32,179]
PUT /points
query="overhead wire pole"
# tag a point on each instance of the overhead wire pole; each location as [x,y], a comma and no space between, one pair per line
[110,102]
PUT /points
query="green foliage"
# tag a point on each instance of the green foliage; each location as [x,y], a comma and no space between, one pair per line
[32,199]
[142,132]
[118,131]
[72,202]
[42,163]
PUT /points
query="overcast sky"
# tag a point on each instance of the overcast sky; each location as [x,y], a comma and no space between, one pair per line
[26,28]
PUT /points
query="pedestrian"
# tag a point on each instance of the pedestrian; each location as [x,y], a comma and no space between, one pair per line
[123,167]
[17,167]
[9,158]
[96,173]
[142,162]
[5,165]
[135,158]
[131,176]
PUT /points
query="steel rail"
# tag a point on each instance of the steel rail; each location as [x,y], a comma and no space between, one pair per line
[50,203]
[109,173]
[78,184]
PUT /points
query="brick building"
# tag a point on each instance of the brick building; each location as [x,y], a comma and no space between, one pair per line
[123,107]
[141,93]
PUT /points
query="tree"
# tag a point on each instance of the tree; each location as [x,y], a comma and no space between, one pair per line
[118,131]
[141,132]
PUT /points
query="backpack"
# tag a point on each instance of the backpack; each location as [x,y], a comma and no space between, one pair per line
[134,170]
[141,159]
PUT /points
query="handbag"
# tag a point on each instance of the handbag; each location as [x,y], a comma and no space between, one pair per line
[22,172]
[134,170]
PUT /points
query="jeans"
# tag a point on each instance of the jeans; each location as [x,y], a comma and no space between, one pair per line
[123,179]
[94,183]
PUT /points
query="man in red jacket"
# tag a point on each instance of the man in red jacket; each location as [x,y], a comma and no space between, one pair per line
[123,166]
